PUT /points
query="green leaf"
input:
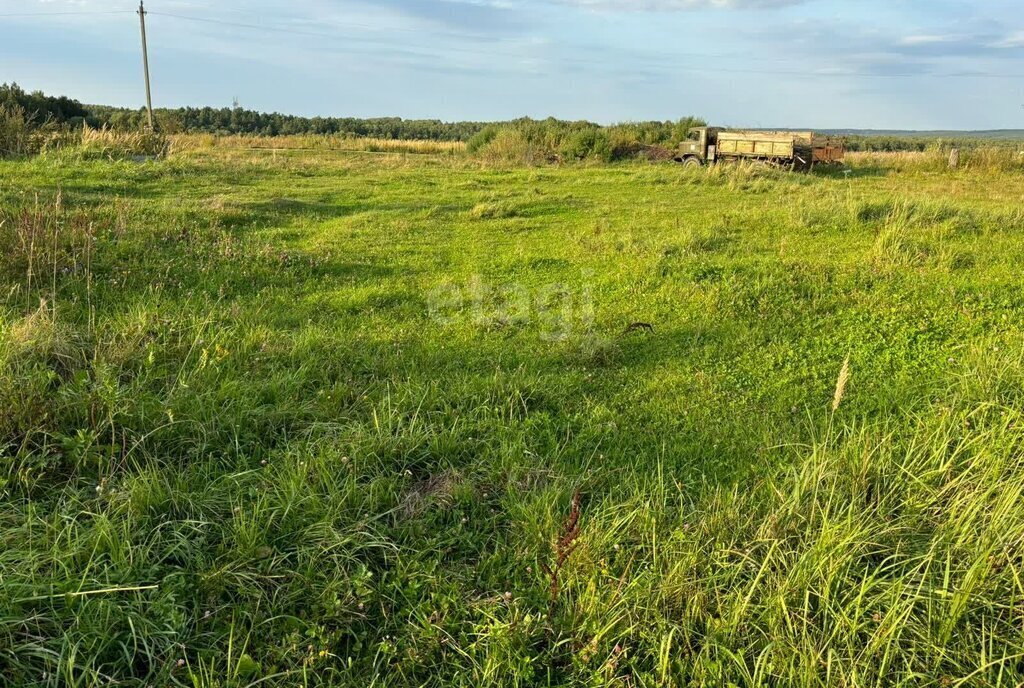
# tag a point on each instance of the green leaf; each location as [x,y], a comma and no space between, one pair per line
[247,667]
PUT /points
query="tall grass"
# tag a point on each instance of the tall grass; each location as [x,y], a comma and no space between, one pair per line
[981,159]
[15,134]
[19,138]
[185,143]
[880,559]
[107,144]
[235,448]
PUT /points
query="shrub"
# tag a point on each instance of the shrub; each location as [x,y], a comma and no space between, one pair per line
[482,138]
[587,143]
[15,137]
[515,145]
[531,141]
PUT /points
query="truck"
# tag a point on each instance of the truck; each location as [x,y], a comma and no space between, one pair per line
[798,150]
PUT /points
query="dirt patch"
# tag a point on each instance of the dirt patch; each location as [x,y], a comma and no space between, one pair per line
[435,490]
[657,154]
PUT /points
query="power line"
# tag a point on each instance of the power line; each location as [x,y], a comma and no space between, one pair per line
[356,25]
[305,32]
[358,39]
[654,58]
[660,61]
[584,61]
[258,27]
[66,14]
[361,39]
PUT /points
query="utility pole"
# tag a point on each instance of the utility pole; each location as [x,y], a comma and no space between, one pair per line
[145,63]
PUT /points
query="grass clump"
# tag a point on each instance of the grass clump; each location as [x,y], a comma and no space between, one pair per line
[495,210]
[108,144]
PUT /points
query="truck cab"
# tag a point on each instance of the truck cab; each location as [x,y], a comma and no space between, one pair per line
[699,146]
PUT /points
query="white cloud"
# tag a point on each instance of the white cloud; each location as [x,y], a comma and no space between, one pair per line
[928,39]
[676,5]
[1014,40]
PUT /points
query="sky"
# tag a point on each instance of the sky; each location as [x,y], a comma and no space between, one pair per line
[882,64]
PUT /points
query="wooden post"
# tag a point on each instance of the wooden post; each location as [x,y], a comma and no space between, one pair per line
[145,63]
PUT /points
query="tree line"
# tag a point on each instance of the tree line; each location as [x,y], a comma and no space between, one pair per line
[39,108]
[570,139]
[62,111]
[229,121]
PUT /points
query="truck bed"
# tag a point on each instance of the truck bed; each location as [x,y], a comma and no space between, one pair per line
[802,148]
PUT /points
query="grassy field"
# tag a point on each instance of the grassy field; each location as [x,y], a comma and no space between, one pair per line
[403,420]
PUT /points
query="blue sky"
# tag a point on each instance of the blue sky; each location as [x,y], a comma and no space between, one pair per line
[908,64]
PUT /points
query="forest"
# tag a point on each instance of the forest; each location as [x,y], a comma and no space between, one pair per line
[606,141]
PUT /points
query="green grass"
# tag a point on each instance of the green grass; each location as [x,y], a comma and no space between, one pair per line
[319,421]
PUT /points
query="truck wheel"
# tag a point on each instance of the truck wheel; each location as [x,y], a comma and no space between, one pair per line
[691,162]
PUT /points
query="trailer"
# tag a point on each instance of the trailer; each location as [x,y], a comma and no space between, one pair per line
[794,149]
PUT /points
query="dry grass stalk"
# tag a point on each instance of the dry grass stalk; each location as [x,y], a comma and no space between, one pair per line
[565,545]
[844,377]
[184,143]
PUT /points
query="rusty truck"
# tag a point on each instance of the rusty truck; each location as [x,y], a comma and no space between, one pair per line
[799,150]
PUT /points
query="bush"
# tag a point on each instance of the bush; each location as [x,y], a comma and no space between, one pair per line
[482,138]
[530,141]
[519,146]
[587,143]
[15,137]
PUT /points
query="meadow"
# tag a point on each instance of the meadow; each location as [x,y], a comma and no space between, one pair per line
[376,418]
